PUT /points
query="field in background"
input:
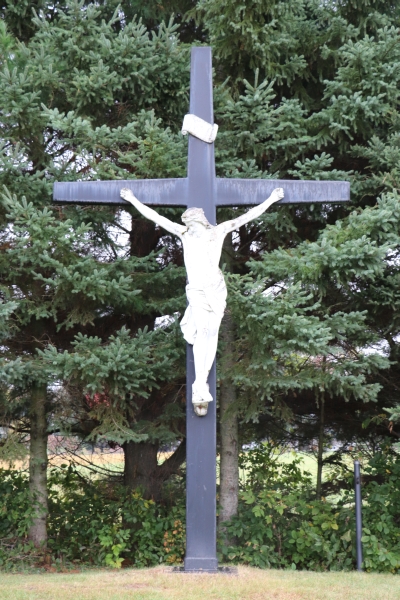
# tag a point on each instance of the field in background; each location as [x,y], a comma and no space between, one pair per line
[69,450]
[161,584]
[113,460]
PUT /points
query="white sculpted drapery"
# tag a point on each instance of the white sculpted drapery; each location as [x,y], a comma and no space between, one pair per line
[206,289]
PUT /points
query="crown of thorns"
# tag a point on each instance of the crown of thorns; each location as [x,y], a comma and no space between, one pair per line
[195,214]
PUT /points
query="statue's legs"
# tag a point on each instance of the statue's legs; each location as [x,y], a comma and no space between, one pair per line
[204,350]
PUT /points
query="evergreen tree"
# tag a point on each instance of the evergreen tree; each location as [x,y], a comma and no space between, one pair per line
[80,102]
[323,105]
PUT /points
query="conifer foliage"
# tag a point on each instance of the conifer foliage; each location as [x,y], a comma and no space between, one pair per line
[81,307]
[313,95]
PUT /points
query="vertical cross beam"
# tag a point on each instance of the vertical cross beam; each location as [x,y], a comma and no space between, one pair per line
[201,526]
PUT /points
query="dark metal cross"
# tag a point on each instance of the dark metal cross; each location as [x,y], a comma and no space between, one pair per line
[202,189]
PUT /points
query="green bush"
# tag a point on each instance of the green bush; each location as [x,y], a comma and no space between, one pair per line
[280,524]
[381,514]
[103,524]
[89,523]
[15,519]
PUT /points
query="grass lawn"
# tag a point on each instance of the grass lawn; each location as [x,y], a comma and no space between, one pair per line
[161,584]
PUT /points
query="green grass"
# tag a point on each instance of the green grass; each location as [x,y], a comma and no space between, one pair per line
[308,461]
[161,584]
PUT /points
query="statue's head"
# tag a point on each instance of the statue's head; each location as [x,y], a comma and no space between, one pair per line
[195,215]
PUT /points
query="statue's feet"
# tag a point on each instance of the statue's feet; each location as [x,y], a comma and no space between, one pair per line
[200,408]
[201,397]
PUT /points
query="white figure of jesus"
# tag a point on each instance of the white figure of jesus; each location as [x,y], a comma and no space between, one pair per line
[206,289]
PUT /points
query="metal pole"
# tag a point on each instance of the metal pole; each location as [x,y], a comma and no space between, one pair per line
[357,490]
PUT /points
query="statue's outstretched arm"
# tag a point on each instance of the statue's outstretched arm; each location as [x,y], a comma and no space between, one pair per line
[151,214]
[251,214]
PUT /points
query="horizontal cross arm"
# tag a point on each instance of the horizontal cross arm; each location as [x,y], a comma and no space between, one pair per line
[234,192]
[162,192]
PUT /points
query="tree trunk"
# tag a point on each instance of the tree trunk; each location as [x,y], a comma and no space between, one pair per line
[142,472]
[140,467]
[229,444]
[320,460]
[229,435]
[38,465]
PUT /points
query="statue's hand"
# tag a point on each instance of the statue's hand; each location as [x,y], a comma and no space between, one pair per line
[277,194]
[127,195]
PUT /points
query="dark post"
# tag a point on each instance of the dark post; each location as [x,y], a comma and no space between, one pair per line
[357,489]
[201,526]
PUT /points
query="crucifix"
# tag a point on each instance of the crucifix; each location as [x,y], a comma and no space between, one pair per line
[201,192]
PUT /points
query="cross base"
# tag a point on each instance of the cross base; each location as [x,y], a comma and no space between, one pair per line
[196,565]
[217,571]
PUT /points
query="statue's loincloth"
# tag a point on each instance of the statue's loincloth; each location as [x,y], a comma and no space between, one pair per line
[211,298]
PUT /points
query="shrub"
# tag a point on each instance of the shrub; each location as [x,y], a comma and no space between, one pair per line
[103,524]
[280,524]
[16,511]
[89,523]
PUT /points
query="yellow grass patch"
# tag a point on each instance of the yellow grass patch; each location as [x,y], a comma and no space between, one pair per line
[108,460]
